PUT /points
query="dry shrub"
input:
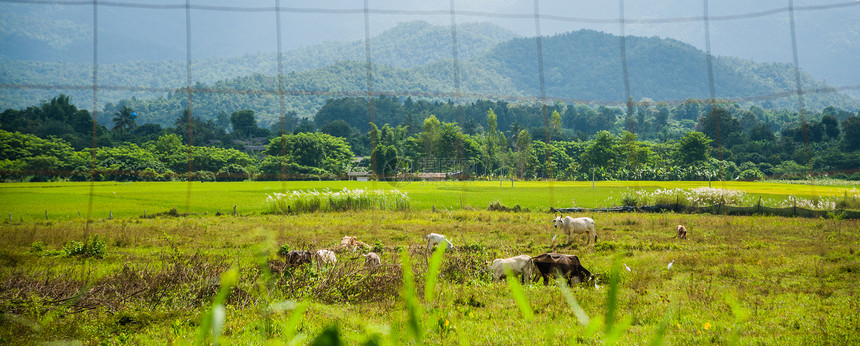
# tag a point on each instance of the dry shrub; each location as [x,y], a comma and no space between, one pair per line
[183,282]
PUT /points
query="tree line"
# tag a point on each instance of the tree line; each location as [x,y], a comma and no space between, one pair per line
[646,141]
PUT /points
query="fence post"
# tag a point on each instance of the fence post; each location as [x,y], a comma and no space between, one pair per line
[234,210]
[46,214]
[758,207]
[144,213]
[10,217]
[110,215]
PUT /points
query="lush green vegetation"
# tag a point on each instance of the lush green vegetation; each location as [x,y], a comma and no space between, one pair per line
[691,141]
[736,280]
[30,201]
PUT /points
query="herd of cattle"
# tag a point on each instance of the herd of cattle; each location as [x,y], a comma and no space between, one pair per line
[545,266]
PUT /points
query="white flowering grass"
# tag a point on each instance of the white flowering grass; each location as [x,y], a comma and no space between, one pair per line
[825,181]
[813,204]
[308,201]
[701,196]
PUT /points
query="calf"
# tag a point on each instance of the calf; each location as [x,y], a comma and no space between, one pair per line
[520,265]
[571,226]
[681,232]
[568,266]
[434,239]
[351,243]
[371,260]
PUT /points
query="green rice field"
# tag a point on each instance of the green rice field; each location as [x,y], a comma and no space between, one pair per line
[28,201]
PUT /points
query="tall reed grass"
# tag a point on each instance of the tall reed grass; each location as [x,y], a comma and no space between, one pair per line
[308,201]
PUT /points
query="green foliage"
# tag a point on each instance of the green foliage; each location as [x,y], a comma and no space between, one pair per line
[94,247]
[37,247]
[692,148]
[284,250]
[73,248]
[318,150]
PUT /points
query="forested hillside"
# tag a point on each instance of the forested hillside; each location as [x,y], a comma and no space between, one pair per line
[406,45]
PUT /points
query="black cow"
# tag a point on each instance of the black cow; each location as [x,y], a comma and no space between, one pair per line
[568,266]
[298,257]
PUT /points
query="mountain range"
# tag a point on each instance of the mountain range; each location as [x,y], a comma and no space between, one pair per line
[415,59]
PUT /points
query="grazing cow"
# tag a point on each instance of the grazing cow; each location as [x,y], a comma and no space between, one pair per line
[324,257]
[371,260]
[568,266]
[434,239]
[351,243]
[298,257]
[519,265]
[682,232]
[571,226]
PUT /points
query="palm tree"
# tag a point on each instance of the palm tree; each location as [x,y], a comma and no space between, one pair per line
[123,120]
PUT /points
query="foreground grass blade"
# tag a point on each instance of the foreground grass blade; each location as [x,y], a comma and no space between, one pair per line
[519,295]
[661,330]
[580,314]
[413,309]
[433,272]
[612,295]
[213,321]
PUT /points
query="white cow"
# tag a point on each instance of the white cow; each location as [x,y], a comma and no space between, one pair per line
[571,226]
[371,260]
[521,265]
[434,239]
[324,257]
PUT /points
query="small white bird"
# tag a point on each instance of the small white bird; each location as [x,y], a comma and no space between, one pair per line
[670,265]
[626,267]
[553,238]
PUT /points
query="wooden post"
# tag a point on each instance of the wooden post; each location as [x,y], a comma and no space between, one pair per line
[234,210]
[46,214]
[144,213]
[10,217]
[79,214]
[110,215]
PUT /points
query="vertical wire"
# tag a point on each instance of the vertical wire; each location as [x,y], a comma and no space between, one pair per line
[461,152]
[281,106]
[189,176]
[798,87]
[799,90]
[712,85]
[633,156]
[542,81]
[623,42]
[94,114]
[373,159]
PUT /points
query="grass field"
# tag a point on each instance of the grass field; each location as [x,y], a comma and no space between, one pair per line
[30,201]
[750,280]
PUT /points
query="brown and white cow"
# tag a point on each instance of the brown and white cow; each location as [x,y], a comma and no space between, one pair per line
[681,232]
[568,266]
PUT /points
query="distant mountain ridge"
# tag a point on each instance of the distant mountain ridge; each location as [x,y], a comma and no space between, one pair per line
[415,58]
